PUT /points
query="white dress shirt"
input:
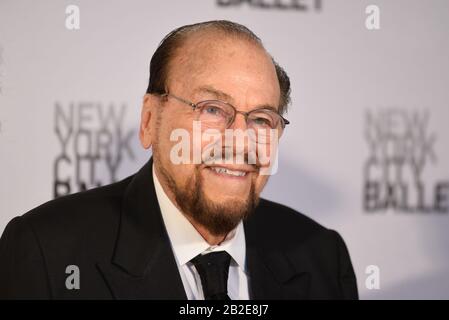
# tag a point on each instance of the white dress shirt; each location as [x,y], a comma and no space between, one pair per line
[187,243]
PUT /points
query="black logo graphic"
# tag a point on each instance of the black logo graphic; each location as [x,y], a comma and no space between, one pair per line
[93,144]
[299,5]
[398,171]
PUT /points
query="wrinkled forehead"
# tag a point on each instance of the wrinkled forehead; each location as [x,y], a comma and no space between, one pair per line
[239,67]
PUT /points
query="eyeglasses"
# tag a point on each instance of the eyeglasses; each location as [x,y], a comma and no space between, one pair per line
[216,114]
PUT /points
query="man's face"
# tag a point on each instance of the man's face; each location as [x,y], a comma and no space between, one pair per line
[227,69]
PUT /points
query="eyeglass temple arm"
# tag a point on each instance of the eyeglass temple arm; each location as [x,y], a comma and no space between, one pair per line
[166,94]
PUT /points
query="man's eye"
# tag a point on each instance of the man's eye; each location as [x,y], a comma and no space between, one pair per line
[213,110]
[262,121]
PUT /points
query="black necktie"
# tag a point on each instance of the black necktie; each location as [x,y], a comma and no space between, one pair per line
[213,269]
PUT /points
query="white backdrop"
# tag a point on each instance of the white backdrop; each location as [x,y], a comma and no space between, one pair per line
[69,98]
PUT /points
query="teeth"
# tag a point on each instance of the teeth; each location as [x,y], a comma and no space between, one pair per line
[230,172]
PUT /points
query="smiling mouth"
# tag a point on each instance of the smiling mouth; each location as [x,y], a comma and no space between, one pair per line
[229,172]
[234,173]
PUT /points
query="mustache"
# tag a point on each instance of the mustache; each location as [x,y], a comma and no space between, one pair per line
[229,156]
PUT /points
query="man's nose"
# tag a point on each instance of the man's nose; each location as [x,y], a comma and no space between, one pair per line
[239,132]
[239,122]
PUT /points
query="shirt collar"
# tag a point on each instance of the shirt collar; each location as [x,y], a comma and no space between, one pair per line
[186,242]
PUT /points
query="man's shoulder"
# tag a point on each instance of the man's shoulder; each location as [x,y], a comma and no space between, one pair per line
[309,247]
[281,224]
[273,214]
[78,229]
[93,206]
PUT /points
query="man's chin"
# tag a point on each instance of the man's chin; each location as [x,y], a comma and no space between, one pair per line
[231,204]
[227,199]
[220,217]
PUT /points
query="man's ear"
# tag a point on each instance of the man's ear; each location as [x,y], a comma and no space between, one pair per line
[148,111]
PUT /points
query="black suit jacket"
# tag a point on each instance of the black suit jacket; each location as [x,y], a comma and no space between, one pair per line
[116,236]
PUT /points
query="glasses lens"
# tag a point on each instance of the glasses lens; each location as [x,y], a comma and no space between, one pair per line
[218,115]
[215,114]
[264,122]
[263,119]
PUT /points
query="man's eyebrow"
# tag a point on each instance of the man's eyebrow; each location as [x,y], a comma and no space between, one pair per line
[267,107]
[218,94]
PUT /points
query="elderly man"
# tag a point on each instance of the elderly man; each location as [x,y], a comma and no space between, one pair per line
[186,229]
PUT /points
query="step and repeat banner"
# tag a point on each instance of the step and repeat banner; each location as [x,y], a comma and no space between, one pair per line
[367,151]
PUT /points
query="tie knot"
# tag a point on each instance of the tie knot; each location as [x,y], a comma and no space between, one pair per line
[219,259]
[213,269]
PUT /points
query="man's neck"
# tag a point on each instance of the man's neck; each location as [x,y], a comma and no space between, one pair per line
[211,239]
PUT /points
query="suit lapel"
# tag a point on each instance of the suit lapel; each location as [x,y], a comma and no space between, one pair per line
[143,265]
[262,283]
[271,274]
